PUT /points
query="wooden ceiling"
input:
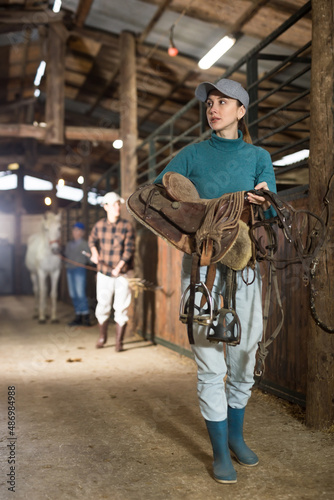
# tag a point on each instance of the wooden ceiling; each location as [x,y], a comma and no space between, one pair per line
[92,60]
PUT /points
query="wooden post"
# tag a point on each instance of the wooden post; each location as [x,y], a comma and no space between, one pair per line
[55,78]
[84,201]
[128,115]
[320,380]
[18,256]
[128,132]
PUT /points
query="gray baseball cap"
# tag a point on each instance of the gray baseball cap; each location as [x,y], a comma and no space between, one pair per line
[230,88]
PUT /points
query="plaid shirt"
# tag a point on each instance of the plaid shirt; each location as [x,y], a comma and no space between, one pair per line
[115,241]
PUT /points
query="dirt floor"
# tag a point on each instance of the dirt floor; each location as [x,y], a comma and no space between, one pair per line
[96,424]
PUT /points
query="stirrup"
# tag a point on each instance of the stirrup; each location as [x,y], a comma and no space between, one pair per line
[205,314]
[227,330]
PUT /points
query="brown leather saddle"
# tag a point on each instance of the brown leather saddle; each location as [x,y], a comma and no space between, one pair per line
[211,231]
[216,230]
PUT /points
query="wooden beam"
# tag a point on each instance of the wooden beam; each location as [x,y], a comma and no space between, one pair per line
[82,12]
[18,243]
[178,84]
[71,133]
[4,108]
[92,134]
[154,20]
[128,115]
[31,18]
[140,40]
[55,84]
[22,130]
[107,39]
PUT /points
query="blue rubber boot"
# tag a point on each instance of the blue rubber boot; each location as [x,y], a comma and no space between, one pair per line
[236,443]
[223,470]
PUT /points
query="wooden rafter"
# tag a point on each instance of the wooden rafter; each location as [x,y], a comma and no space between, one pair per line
[71,133]
[82,12]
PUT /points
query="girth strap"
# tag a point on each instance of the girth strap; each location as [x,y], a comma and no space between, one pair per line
[191,307]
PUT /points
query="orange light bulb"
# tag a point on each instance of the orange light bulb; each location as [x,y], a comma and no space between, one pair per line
[172,51]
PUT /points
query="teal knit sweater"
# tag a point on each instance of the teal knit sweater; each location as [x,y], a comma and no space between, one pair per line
[218,166]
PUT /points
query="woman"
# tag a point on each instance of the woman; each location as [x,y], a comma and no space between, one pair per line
[226,163]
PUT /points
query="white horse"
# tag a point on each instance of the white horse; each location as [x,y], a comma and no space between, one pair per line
[43,260]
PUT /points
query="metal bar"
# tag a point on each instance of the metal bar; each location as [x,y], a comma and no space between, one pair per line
[268,74]
[290,146]
[286,82]
[284,127]
[280,108]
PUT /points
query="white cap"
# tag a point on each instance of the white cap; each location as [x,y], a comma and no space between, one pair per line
[111,198]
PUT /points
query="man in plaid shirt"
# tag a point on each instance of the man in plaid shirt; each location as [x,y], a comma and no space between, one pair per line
[112,244]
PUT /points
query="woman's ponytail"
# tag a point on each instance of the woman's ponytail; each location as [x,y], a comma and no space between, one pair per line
[245,132]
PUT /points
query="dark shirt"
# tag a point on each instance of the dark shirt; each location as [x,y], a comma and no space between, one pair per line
[115,241]
[73,251]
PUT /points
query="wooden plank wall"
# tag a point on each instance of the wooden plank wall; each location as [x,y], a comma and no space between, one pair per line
[156,313]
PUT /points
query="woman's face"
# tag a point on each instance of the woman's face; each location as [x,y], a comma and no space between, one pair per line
[223,114]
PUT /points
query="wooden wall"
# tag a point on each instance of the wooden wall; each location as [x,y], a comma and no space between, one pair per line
[156,313]
[286,364]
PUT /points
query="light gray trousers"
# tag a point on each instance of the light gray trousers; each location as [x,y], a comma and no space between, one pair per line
[239,361]
[114,292]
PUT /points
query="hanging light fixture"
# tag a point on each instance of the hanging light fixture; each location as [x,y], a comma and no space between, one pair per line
[172,50]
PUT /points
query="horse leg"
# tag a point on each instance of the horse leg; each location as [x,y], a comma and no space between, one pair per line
[42,295]
[34,281]
[54,295]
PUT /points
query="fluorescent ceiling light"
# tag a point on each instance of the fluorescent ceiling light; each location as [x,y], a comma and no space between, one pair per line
[216,52]
[8,182]
[40,73]
[35,184]
[69,193]
[76,194]
[56,6]
[293,158]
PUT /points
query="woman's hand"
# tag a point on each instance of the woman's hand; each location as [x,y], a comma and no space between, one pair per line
[259,200]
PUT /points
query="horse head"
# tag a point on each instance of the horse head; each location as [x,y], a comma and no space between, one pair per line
[51,226]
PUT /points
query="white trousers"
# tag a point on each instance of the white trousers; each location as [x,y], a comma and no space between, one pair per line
[238,364]
[114,292]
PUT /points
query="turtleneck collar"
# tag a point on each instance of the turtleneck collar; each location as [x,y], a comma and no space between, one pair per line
[227,144]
